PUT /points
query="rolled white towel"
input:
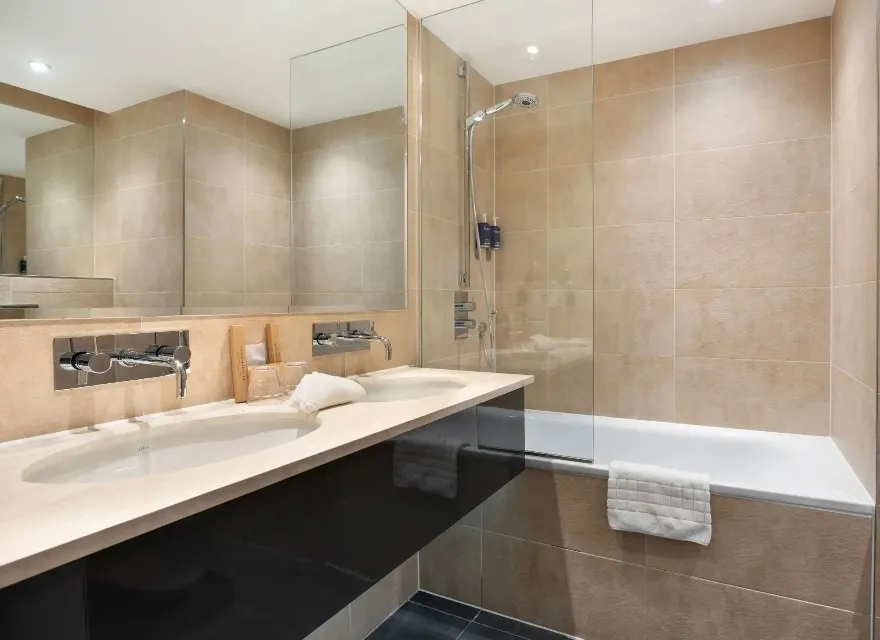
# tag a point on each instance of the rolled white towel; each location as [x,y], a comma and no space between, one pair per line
[318,391]
[659,502]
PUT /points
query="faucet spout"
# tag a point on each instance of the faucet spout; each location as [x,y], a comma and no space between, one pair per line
[175,364]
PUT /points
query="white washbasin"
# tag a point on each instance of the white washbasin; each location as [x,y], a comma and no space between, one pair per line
[170,447]
[391,389]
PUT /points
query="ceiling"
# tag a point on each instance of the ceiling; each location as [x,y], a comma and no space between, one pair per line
[561,29]
[16,125]
[109,54]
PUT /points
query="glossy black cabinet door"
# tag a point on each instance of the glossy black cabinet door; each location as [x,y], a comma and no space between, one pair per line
[277,563]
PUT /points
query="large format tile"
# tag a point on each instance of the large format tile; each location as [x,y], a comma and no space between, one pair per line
[383,598]
[635,323]
[523,263]
[757,180]
[854,235]
[854,331]
[639,256]
[569,197]
[522,197]
[635,387]
[854,145]
[569,87]
[336,628]
[684,608]
[634,75]
[561,510]
[415,621]
[450,565]
[570,135]
[807,554]
[564,590]
[787,397]
[141,117]
[634,191]
[446,605]
[521,142]
[783,104]
[515,628]
[634,126]
[774,251]
[853,424]
[761,324]
[204,112]
[570,259]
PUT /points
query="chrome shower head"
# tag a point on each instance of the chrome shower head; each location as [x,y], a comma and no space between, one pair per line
[10,202]
[526,100]
[522,99]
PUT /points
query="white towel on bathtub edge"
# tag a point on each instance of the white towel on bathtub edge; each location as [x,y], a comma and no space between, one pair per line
[659,502]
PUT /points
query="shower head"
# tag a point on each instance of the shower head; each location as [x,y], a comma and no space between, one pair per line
[522,99]
[10,202]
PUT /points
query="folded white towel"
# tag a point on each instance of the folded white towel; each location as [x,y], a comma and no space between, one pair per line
[318,391]
[659,502]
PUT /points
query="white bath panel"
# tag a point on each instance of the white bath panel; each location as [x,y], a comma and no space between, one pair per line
[559,435]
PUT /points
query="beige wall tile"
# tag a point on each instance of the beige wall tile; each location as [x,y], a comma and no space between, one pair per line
[437,57]
[267,269]
[521,142]
[371,608]
[634,75]
[142,213]
[327,135]
[683,608]
[484,143]
[385,164]
[767,179]
[144,116]
[570,135]
[635,323]
[561,510]
[569,197]
[786,397]
[523,263]
[634,126]
[147,158]
[214,265]
[759,51]
[65,176]
[384,267]
[539,85]
[568,591]
[210,114]
[522,197]
[267,172]
[65,223]
[332,172]
[635,256]
[215,158]
[267,134]
[442,111]
[384,216]
[450,565]
[328,269]
[63,300]
[773,251]
[438,342]
[336,628]
[570,259]
[853,425]
[267,220]
[783,104]
[854,235]
[214,212]
[57,285]
[634,191]
[854,331]
[440,241]
[635,387]
[328,221]
[522,314]
[482,91]
[807,554]
[570,314]
[569,87]
[387,123]
[762,324]
[148,266]
[442,179]
[75,262]
[854,46]
[854,145]
[51,143]
[570,380]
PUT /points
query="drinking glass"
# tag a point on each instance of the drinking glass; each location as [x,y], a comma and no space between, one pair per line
[264,385]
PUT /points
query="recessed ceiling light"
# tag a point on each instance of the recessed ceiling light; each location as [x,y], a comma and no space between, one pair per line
[532,50]
[38,67]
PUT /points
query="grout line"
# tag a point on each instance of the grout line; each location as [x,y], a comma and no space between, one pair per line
[674,267]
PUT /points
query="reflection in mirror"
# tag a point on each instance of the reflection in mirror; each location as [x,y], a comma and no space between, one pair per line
[348,142]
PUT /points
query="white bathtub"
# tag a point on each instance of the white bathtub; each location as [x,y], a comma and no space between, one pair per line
[786,468]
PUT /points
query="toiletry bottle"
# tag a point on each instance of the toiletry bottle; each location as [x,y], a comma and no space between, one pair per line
[485,233]
[496,233]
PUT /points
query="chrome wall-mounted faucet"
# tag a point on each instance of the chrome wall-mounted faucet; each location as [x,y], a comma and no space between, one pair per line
[88,361]
[330,338]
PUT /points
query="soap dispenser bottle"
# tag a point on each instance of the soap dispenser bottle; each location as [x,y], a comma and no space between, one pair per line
[485,231]
[495,234]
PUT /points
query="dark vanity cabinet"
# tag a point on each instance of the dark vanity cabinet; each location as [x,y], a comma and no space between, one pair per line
[277,563]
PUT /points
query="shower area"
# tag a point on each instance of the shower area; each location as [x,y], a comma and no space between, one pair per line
[687,204]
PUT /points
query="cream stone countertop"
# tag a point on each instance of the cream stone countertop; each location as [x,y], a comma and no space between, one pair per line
[43,526]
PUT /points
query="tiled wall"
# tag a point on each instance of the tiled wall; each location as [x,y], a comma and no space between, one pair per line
[443,201]
[709,245]
[12,224]
[548,557]
[65,293]
[854,234]
[139,202]
[237,210]
[60,175]
[349,195]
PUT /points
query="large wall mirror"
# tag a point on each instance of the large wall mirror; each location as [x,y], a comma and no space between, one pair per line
[194,160]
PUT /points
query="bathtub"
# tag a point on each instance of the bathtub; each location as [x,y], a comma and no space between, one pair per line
[786,468]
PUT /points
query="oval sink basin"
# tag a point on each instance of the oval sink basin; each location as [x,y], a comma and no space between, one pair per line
[171,447]
[389,389]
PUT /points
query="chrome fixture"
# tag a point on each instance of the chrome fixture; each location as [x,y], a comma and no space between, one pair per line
[173,359]
[462,307]
[87,361]
[10,202]
[521,99]
[331,338]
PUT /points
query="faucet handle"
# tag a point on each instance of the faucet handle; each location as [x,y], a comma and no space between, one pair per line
[180,353]
[84,362]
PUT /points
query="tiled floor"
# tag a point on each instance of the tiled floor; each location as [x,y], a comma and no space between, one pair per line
[430,617]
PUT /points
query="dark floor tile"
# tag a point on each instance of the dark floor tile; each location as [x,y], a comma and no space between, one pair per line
[517,628]
[452,607]
[415,622]
[479,632]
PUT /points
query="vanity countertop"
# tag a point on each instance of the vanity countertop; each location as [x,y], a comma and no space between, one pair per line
[43,526]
